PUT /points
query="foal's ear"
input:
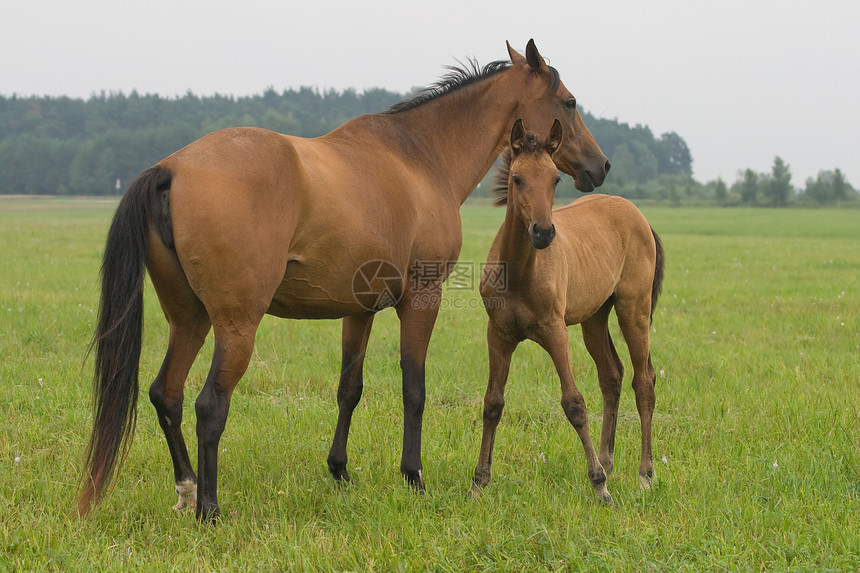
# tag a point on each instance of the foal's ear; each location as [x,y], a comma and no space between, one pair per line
[516,57]
[556,134]
[534,58]
[518,134]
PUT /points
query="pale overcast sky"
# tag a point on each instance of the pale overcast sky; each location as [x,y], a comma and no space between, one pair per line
[740,80]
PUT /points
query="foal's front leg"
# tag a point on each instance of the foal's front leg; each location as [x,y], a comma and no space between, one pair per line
[555,341]
[500,350]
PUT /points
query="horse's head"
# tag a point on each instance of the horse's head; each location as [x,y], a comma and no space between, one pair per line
[579,156]
[532,177]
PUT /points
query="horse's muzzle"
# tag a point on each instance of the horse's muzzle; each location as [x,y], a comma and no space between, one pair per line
[542,237]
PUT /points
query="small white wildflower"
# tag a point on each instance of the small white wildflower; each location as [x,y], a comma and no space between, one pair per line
[664,460]
[662,373]
[542,457]
[775,465]
[17,459]
[41,384]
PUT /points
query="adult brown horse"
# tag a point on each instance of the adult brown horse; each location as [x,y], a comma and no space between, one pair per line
[548,269]
[245,222]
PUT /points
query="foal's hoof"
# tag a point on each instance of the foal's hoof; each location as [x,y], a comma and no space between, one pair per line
[475,491]
[603,495]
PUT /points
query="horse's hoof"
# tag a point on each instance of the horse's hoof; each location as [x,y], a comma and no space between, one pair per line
[187,491]
[644,481]
[208,513]
[415,479]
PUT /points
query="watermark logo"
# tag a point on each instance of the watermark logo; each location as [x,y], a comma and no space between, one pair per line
[377,285]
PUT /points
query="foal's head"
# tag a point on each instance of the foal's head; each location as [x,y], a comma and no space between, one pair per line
[529,181]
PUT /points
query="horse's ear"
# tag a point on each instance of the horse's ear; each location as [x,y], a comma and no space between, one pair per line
[516,57]
[534,58]
[518,134]
[555,136]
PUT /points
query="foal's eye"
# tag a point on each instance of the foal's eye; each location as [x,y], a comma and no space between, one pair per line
[570,104]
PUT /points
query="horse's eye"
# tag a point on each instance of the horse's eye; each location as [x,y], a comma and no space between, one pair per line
[517,181]
[570,104]
[557,181]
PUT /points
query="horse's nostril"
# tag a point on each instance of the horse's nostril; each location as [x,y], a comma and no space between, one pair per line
[607,166]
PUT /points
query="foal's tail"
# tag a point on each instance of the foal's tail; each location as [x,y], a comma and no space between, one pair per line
[657,285]
[118,335]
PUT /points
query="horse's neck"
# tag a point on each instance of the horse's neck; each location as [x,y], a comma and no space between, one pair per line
[463,132]
[516,251]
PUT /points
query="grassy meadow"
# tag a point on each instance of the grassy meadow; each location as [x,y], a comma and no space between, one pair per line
[756,339]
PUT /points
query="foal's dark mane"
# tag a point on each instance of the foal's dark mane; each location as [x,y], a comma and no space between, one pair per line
[531,144]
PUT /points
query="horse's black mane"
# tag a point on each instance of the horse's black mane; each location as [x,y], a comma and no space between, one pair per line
[531,144]
[456,78]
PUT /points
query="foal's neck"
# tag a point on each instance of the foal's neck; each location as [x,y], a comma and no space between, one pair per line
[516,250]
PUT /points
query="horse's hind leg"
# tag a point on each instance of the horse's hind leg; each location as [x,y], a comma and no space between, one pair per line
[634,320]
[610,374]
[234,344]
[356,332]
[189,325]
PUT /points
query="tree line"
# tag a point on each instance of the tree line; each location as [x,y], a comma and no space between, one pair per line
[62,145]
[96,146]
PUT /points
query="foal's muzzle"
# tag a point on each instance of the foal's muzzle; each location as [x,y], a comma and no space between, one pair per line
[542,237]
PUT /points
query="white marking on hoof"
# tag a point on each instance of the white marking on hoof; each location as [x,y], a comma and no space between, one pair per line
[644,482]
[187,491]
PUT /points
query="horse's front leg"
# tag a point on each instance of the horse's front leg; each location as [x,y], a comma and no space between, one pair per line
[417,316]
[356,332]
[555,341]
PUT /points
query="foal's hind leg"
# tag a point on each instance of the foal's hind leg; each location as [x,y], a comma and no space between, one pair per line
[634,320]
[189,325]
[610,374]
[555,341]
[356,332]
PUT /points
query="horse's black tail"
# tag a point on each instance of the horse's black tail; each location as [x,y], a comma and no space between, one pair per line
[659,263]
[119,333]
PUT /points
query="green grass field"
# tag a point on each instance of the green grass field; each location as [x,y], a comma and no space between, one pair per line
[757,429]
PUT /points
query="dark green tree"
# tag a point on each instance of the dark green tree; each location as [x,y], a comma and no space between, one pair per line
[778,187]
[748,187]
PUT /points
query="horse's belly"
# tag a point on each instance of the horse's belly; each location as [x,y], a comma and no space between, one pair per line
[307,291]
